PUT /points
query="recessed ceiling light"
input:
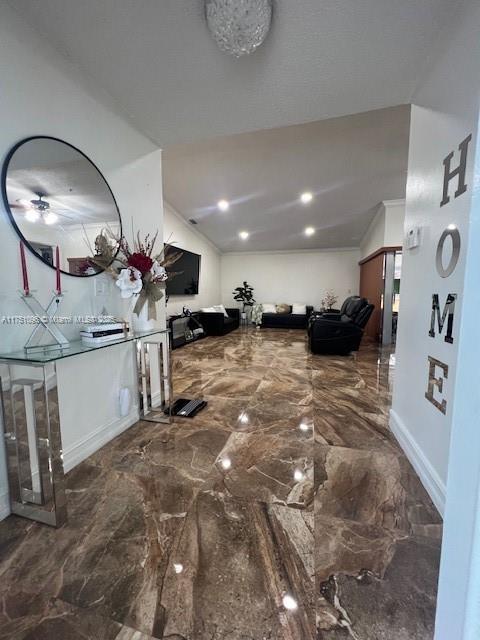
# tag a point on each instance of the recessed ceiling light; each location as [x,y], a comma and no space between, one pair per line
[223,205]
[243,235]
[306,197]
[309,231]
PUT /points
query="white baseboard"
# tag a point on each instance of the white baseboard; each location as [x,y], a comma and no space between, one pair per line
[97,439]
[430,479]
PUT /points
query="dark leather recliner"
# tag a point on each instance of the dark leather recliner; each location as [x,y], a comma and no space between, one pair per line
[340,332]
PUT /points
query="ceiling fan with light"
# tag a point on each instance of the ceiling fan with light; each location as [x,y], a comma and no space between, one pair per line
[36,209]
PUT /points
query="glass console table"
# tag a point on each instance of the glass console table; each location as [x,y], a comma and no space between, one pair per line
[31,417]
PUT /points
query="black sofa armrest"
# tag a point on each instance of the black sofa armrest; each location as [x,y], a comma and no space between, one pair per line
[212,322]
[326,312]
[326,328]
[336,317]
[234,312]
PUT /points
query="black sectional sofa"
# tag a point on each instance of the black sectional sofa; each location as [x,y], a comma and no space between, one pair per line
[286,320]
[216,324]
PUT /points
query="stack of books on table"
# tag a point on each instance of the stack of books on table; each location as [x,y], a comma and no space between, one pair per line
[100,333]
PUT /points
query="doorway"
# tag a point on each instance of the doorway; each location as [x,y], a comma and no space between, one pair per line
[380,275]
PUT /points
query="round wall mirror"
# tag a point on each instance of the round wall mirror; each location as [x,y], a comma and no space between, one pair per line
[56,197]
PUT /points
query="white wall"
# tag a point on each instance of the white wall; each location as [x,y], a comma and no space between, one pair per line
[386,228]
[373,237]
[459,594]
[446,111]
[183,235]
[291,276]
[438,124]
[394,223]
[43,94]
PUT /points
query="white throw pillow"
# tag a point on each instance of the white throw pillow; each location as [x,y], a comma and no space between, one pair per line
[209,310]
[269,308]
[220,309]
[299,308]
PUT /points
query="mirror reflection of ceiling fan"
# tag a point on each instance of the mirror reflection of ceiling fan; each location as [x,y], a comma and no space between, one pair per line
[37,209]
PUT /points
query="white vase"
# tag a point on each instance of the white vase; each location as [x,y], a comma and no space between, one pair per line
[137,322]
[140,322]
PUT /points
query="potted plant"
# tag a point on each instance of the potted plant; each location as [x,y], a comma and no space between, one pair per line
[245,296]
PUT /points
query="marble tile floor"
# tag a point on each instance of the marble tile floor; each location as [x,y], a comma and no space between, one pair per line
[284,511]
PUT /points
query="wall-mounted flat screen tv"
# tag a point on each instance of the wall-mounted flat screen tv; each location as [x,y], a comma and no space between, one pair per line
[187,268]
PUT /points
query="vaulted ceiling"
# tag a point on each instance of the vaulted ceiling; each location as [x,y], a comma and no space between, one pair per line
[349,165]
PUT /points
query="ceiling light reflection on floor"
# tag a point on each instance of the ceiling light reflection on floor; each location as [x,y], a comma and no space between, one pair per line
[178,568]
[243,418]
[290,603]
[298,475]
[304,426]
[226,463]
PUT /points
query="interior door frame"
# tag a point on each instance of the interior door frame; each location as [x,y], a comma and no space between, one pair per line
[383,335]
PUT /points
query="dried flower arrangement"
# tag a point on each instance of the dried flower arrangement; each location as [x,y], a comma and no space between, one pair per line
[329,300]
[137,270]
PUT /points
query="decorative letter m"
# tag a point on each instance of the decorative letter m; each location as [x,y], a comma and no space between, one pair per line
[448,309]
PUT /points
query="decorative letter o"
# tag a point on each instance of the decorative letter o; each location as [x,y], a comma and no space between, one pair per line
[455,235]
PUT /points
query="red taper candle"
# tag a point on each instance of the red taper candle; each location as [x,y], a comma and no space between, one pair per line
[26,288]
[57,265]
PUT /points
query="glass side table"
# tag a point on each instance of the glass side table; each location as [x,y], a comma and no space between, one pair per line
[31,418]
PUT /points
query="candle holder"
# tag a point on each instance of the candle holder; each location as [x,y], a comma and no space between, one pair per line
[44,325]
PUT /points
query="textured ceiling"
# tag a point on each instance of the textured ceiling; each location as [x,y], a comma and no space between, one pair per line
[322,59]
[350,164]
